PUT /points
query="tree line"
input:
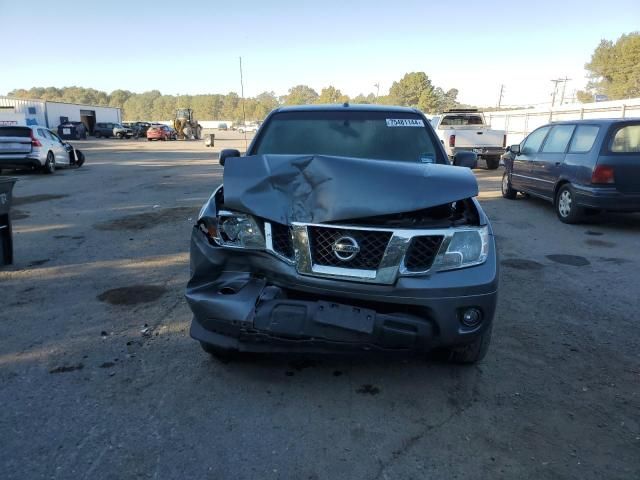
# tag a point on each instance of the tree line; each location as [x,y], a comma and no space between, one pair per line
[614,69]
[412,90]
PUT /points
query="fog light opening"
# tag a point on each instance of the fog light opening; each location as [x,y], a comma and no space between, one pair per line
[471,317]
[228,291]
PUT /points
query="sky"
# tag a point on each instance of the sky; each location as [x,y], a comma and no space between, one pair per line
[193,47]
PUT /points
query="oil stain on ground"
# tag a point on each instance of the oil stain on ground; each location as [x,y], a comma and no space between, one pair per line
[521,264]
[43,197]
[573,260]
[368,389]
[599,243]
[132,295]
[142,221]
[18,215]
[67,368]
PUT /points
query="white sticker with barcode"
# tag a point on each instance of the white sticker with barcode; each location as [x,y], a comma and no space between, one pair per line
[404,122]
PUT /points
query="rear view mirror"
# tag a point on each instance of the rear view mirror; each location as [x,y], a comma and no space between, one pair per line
[465,159]
[228,153]
[515,149]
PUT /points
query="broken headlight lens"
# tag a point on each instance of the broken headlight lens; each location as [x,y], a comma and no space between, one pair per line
[467,247]
[239,230]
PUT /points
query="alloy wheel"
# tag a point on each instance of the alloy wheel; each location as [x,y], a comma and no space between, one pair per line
[564,203]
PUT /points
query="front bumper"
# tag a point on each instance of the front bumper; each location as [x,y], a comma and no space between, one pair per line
[482,152]
[252,301]
[607,198]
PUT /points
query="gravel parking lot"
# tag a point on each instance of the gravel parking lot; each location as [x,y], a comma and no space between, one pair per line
[100,379]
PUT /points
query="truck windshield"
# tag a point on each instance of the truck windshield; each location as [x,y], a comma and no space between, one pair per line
[362,134]
[452,120]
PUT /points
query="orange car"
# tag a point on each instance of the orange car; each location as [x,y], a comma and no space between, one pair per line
[161,132]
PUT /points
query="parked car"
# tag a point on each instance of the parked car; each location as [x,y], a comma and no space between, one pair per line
[112,130]
[222,126]
[71,130]
[580,166]
[161,132]
[248,127]
[344,228]
[35,147]
[466,129]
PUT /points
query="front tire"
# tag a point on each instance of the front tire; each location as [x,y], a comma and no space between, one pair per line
[493,163]
[220,354]
[49,166]
[474,351]
[567,209]
[507,190]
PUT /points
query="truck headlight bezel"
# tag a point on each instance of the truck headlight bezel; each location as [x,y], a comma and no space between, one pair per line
[234,230]
[467,247]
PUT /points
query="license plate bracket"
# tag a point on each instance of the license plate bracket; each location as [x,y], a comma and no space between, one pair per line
[345,316]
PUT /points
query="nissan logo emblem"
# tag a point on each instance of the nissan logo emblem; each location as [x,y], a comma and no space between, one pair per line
[345,248]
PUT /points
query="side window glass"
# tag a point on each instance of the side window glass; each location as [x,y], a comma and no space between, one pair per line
[534,140]
[626,140]
[584,138]
[41,133]
[558,139]
[55,137]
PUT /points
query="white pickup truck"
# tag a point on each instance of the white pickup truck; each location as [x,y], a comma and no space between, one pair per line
[467,130]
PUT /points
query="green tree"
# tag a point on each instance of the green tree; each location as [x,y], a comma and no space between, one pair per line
[331,95]
[413,90]
[118,97]
[231,107]
[362,99]
[614,69]
[300,95]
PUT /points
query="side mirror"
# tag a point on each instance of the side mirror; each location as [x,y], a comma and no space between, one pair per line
[515,149]
[228,153]
[465,159]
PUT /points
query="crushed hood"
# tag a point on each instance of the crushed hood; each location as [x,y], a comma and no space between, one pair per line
[320,189]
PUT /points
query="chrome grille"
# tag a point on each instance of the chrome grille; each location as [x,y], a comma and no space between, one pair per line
[372,246]
[282,240]
[421,252]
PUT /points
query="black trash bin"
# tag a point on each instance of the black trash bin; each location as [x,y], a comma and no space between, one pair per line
[209,140]
[6,242]
[72,130]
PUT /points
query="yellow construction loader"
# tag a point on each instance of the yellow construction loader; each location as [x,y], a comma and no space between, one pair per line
[186,126]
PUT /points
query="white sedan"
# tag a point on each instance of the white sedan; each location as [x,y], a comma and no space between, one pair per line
[35,147]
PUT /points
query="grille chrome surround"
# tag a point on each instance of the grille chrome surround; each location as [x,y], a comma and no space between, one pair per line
[391,265]
[371,247]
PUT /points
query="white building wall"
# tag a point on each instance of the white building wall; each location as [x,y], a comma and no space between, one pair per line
[55,110]
[33,110]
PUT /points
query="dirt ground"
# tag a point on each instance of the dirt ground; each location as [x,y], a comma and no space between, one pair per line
[99,378]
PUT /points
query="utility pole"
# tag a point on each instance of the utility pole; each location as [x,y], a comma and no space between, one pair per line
[564,87]
[377,85]
[555,89]
[500,97]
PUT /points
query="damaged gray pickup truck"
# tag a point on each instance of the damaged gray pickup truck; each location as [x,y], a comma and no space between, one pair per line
[344,228]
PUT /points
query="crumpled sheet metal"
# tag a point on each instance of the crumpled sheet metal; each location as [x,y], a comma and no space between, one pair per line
[319,189]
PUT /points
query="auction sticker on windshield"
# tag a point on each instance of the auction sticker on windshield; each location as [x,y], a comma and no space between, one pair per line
[404,122]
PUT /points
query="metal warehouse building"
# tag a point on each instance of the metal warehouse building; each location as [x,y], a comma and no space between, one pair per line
[52,114]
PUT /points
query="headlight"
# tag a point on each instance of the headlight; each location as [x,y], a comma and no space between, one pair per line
[467,248]
[234,230]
